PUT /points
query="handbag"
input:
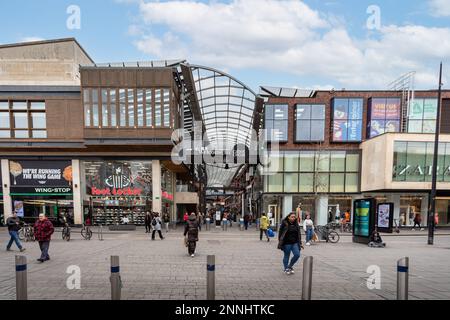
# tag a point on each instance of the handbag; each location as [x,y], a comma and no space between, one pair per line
[270,233]
[314,237]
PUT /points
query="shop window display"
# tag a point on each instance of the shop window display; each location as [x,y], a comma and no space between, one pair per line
[118,190]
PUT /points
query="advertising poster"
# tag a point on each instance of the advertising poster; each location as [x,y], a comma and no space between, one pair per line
[376,127]
[340,107]
[354,130]
[393,109]
[430,109]
[362,218]
[378,109]
[383,215]
[429,126]
[41,173]
[416,109]
[339,130]
[392,126]
[18,208]
[355,109]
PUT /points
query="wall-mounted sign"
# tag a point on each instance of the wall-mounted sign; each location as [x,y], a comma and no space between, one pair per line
[29,176]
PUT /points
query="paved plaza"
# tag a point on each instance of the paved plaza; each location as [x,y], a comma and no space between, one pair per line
[246,268]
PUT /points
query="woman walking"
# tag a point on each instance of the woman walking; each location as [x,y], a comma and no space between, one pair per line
[308,227]
[156,223]
[191,230]
[290,240]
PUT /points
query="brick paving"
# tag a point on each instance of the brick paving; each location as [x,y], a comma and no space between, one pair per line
[246,268]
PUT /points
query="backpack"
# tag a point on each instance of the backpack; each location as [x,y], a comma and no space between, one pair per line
[154,222]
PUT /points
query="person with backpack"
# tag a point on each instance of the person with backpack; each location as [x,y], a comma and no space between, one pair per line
[166,220]
[148,222]
[191,230]
[156,224]
[263,226]
[290,240]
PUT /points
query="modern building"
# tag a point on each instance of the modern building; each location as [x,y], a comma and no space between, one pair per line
[337,146]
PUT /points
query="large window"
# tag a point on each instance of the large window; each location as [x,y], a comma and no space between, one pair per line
[315,171]
[413,161]
[23,120]
[276,122]
[310,122]
[125,108]
[384,116]
[422,116]
[347,120]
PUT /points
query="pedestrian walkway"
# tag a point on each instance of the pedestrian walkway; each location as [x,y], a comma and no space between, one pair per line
[246,268]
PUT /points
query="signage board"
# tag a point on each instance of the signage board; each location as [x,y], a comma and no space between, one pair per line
[385,217]
[363,219]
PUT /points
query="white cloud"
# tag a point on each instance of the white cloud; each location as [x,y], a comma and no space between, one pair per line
[31,39]
[287,36]
[440,8]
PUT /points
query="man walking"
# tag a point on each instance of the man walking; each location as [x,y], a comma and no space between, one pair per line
[156,224]
[43,230]
[263,226]
[13,224]
[191,230]
[166,220]
[148,222]
[246,220]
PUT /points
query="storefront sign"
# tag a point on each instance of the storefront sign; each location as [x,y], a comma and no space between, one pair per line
[116,192]
[167,196]
[40,177]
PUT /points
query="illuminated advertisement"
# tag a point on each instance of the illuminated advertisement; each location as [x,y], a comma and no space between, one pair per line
[364,212]
[385,216]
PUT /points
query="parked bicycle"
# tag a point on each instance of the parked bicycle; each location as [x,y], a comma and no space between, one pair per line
[66,230]
[348,227]
[324,233]
[26,233]
[86,232]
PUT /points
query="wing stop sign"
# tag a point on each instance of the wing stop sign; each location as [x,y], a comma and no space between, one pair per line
[364,212]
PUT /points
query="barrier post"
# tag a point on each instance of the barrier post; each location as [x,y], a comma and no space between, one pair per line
[307,278]
[402,278]
[116,282]
[210,277]
[21,278]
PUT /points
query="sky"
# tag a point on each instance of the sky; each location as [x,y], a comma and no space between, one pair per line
[310,44]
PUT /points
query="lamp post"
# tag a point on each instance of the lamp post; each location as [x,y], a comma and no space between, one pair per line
[434,169]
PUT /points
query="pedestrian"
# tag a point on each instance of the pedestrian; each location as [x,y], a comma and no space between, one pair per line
[290,240]
[185,217]
[417,221]
[436,220]
[191,230]
[199,220]
[156,224]
[166,220]
[246,219]
[263,226]
[43,230]
[13,224]
[308,227]
[148,222]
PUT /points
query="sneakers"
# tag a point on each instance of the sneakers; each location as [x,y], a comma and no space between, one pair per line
[40,260]
[291,270]
[308,244]
[8,249]
[192,255]
[22,250]
[288,271]
[421,229]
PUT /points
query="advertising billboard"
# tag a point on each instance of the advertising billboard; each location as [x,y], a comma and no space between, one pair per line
[347,119]
[385,216]
[363,219]
[384,116]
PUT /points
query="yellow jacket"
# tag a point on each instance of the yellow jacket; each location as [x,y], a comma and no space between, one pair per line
[264,223]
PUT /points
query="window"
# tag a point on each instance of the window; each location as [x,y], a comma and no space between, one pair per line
[347,120]
[140,107]
[22,119]
[87,107]
[422,116]
[158,116]
[276,122]
[131,109]
[310,122]
[384,116]
[148,108]
[122,108]
[105,113]
[95,115]
[113,107]
[166,97]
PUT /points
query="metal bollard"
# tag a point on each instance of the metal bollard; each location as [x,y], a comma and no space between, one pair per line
[241,224]
[208,224]
[116,281]
[21,278]
[307,278]
[402,278]
[210,277]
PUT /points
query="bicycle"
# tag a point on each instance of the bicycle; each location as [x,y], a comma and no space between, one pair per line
[66,231]
[27,233]
[348,227]
[86,232]
[327,234]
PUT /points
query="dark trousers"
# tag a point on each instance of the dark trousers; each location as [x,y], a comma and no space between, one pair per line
[14,238]
[261,231]
[416,224]
[160,234]
[148,228]
[246,225]
[44,245]
[191,246]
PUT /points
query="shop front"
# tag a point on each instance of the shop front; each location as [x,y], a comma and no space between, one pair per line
[116,191]
[39,186]
[167,191]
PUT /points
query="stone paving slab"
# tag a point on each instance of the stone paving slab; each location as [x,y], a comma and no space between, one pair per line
[246,268]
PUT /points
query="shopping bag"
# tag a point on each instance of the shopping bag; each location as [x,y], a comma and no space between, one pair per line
[270,233]
[315,237]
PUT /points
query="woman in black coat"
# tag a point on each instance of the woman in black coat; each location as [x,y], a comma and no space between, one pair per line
[191,230]
[290,240]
